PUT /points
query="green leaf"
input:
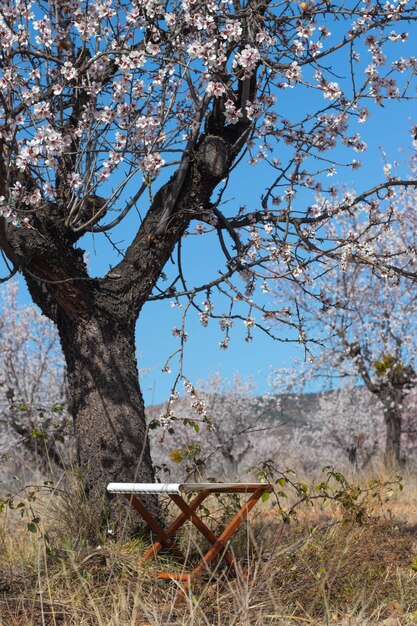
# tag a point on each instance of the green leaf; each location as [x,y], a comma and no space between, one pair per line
[32,528]
[285,517]
[37,434]
[192,423]
[265,496]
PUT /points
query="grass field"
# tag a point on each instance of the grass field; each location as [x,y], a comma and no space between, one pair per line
[337,561]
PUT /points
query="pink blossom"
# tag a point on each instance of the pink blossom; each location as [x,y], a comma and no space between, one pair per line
[215,89]
[247,60]
[69,71]
[152,163]
[332,91]
[294,72]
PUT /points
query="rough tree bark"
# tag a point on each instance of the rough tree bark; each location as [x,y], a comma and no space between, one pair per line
[393,437]
[391,403]
[106,401]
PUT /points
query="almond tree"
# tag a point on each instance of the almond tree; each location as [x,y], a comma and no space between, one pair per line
[348,426]
[140,113]
[366,318]
[32,385]
[220,435]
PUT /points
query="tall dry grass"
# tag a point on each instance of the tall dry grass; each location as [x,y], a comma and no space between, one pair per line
[322,568]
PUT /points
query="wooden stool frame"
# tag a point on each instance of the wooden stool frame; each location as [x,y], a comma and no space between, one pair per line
[189,513]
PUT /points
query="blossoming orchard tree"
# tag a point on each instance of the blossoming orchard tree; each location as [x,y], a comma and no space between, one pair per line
[373,340]
[346,427]
[32,388]
[142,112]
[366,317]
[223,442]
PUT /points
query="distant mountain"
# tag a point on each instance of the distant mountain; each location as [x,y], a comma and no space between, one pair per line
[295,409]
[292,409]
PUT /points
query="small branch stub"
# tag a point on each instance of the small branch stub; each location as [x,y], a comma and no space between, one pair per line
[214,156]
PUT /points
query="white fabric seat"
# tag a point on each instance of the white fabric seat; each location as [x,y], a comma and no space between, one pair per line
[155,488]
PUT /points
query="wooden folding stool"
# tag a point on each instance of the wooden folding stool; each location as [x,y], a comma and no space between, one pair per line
[189,512]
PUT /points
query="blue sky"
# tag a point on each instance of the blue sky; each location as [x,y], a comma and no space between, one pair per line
[387,126]
[256,358]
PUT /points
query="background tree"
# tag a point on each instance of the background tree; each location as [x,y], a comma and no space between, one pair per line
[99,99]
[367,319]
[347,427]
[222,438]
[33,415]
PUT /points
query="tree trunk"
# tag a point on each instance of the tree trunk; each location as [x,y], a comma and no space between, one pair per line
[392,417]
[108,409]
[393,437]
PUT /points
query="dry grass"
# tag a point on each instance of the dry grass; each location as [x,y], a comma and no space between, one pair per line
[315,570]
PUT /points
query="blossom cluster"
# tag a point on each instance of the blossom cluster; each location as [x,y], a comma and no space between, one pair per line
[96,93]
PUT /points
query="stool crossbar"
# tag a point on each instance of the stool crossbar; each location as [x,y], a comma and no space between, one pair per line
[188,512]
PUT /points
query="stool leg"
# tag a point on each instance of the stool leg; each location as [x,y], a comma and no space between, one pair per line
[228,532]
[175,526]
[205,531]
[153,524]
